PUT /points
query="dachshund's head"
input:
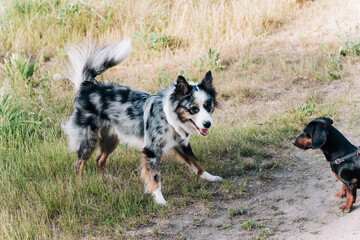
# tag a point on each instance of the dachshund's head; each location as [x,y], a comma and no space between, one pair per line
[315,134]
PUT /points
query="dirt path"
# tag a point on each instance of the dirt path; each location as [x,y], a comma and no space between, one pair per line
[296,203]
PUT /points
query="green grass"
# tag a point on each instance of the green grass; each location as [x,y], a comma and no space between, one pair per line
[209,60]
[236,211]
[249,225]
[350,41]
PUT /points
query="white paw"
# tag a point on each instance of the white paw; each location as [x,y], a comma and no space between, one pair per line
[160,201]
[159,198]
[211,178]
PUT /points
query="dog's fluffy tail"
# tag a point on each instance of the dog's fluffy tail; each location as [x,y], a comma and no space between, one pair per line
[89,61]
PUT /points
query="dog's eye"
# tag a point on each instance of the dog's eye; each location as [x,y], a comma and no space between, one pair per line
[194,110]
[208,107]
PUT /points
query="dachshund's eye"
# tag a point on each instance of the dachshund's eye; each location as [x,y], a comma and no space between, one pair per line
[194,110]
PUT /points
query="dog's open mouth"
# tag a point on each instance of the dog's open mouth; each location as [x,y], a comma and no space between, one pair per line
[202,131]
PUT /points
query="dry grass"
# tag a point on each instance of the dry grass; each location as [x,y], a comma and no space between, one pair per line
[190,25]
[276,65]
[166,34]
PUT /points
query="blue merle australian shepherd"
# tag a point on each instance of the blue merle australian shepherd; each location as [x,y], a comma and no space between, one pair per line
[106,114]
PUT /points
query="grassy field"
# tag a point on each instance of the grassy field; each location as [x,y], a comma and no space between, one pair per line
[270,85]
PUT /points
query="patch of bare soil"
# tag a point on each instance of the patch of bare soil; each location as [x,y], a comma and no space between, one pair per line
[298,202]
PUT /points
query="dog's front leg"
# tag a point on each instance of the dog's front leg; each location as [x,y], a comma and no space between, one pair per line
[186,154]
[342,193]
[151,175]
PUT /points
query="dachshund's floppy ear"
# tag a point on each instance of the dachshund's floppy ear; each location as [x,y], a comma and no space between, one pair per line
[325,120]
[319,134]
[329,120]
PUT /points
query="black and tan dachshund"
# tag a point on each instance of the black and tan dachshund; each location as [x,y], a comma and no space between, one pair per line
[343,156]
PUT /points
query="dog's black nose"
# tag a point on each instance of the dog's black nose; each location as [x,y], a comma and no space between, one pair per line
[294,143]
[207,124]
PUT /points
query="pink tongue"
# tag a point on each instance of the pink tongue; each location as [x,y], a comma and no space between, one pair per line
[204,131]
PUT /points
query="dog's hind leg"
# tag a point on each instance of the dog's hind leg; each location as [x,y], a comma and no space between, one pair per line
[99,159]
[101,162]
[107,146]
[342,193]
[151,175]
[351,196]
[354,194]
[186,154]
[86,148]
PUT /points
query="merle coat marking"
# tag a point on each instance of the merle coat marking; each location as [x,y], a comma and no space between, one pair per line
[105,114]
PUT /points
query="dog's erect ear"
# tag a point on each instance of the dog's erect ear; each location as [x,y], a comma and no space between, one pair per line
[182,86]
[207,82]
[319,134]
